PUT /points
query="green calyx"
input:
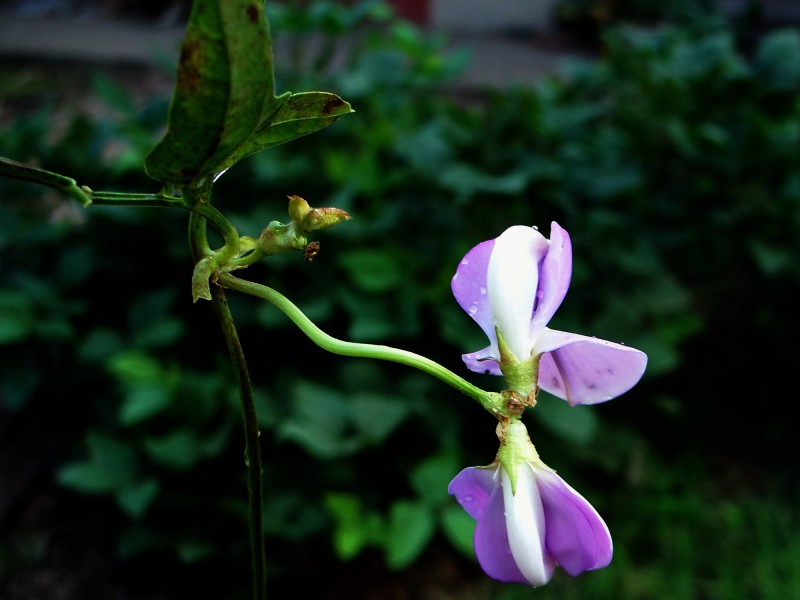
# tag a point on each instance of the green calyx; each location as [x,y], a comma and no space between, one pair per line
[277,237]
[516,449]
[520,375]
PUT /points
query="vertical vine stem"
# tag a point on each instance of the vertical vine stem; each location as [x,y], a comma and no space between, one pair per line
[198,243]
[251,436]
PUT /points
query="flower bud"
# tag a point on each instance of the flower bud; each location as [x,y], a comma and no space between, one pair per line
[321,218]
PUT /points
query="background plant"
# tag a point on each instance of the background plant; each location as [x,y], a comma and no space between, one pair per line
[683,206]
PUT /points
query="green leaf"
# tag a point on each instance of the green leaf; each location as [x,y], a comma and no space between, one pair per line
[142,402]
[225,83]
[299,115]
[17,318]
[376,416]
[320,422]
[192,551]
[431,477]
[135,367]
[411,527]
[459,528]
[777,59]
[354,528]
[109,467]
[372,271]
[572,423]
[179,450]
[137,498]
[148,386]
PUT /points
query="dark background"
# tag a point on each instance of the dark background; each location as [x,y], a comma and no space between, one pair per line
[667,146]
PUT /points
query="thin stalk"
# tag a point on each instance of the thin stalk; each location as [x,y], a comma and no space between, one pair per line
[204,209]
[159,200]
[252,446]
[491,401]
[198,244]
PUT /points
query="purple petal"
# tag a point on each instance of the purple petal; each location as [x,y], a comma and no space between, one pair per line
[556,272]
[586,370]
[576,535]
[472,488]
[491,541]
[482,362]
[469,287]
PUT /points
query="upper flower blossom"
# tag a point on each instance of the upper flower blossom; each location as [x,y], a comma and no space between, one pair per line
[529,520]
[512,286]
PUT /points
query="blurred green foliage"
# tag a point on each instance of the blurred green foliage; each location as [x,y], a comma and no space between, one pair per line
[674,163]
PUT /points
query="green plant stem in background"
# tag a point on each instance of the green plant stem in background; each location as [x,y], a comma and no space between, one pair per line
[491,401]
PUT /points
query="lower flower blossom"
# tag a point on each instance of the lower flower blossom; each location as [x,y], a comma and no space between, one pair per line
[529,520]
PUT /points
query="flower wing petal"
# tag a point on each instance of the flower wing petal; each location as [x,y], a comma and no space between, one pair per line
[472,488]
[482,361]
[492,548]
[576,535]
[469,287]
[586,370]
[554,279]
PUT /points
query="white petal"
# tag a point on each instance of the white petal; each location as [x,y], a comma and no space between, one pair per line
[526,529]
[512,281]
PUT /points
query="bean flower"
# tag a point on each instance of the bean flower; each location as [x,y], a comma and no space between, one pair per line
[511,286]
[529,519]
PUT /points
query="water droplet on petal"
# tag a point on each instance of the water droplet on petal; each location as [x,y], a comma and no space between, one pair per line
[468,498]
[465,262]
[483,291]
[473,309]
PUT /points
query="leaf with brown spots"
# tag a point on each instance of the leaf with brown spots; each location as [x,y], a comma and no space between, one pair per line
[299,115]
[225,84]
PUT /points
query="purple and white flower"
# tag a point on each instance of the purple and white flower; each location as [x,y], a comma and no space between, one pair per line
[528,518]
[511,286]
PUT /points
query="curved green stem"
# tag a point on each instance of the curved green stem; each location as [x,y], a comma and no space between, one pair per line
[229,233]
[491,401]
[18,170]
[202,208]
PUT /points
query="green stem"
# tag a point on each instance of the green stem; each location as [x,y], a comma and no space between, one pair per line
[491,401]
[251,436]
[198,203]
[87,197]
[159,200]
[18,170]
[202,208]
